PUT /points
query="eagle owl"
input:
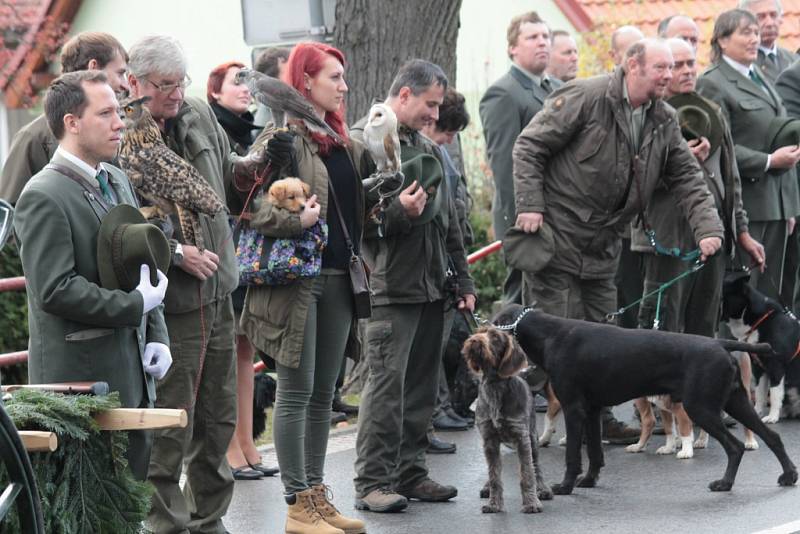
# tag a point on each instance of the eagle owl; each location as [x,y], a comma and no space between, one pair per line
[162,177]
[285,102]
[380,137]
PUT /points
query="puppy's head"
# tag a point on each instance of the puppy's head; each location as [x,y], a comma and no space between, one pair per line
[736,294]
[289,194]
[492,351]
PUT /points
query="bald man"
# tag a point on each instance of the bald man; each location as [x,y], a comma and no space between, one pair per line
[680,27]
[622,38]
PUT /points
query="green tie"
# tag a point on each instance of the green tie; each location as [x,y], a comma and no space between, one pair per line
[756,79]
[102,179]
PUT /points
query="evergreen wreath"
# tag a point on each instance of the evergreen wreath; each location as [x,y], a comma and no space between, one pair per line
[85,485]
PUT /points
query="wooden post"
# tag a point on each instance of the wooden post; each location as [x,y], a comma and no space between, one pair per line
[141,418]
[38,441]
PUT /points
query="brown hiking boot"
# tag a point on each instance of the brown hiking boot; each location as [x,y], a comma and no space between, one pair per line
[618,433]
[322,500]
[382,500]
[303,516]
[429,491]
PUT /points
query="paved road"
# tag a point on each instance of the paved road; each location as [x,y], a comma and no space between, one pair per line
[637,493]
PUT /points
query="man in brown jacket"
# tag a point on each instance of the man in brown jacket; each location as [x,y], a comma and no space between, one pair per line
[34,144]
[585,165]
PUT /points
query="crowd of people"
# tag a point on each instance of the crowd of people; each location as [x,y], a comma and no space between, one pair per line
[597,174]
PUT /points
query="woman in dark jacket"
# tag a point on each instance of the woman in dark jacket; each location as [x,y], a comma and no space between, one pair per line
[230,103]
[304,325]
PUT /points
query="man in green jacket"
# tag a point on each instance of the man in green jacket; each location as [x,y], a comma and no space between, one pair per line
[751,105]
[404,335]
[34,144]
[79,330]
[198,310]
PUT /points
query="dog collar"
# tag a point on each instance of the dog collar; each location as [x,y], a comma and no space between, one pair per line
[513,326]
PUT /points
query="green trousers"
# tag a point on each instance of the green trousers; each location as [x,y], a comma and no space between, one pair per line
[566,295]
[302,416]
[404,343]
[771,234]
[692,304]
[201,446]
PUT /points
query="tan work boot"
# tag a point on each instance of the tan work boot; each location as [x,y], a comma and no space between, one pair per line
[331,515]
[303,516]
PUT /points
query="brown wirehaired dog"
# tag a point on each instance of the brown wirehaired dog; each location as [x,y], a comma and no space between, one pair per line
[289,193]
[504,414]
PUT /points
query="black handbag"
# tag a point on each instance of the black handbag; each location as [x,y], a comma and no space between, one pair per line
[359,275]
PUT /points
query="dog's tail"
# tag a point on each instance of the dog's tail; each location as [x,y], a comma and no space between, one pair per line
[757,348]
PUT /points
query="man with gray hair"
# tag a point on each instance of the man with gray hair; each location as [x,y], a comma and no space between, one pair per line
[622,38]
[198,309]
[772,59]
[421,241]
[680,27]
[585,166]
[563,57]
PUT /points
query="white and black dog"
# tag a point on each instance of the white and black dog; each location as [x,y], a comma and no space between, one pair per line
[755,318]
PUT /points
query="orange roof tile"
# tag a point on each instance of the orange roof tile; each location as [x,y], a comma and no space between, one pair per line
[646,14]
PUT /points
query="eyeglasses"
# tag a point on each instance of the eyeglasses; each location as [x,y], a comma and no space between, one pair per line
[167,88]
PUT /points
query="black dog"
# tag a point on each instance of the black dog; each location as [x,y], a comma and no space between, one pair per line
[263,397]
[753,317]
[595,365]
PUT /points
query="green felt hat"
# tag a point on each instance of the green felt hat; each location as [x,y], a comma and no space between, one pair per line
[526,252]
[698,118]
[124,242]
[427,171]
[782,131]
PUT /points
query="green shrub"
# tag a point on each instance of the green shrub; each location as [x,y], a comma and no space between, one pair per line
[13,316]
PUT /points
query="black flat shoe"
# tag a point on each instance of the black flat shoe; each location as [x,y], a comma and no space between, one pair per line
[267,471]
[246,473]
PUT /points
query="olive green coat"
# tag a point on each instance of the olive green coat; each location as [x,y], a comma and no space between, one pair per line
[722,178]
[575,164]
[196,136]
[274,317]
[79,330]
[767,195]
[31,150]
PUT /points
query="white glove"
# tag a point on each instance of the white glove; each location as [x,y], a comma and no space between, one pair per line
[152,295]
[156,360]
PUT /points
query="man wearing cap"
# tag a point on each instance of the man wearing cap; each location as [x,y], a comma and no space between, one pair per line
[410,287]
[692,304]
[585,165]
[34,144]
[752,108]
[93,271]
[506,108]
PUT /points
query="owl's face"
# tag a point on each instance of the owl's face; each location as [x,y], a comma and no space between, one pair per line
[381,117]
[134,114]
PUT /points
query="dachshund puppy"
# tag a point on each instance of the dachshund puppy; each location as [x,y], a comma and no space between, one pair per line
[289,193]
[504,414]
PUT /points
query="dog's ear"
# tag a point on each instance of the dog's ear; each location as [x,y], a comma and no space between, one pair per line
[278,190]
[306,189]
[513,358]
[477,352]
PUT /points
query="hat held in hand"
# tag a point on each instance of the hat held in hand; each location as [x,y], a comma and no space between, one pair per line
[698,118]
[526,252]
[426,170]
[124,242]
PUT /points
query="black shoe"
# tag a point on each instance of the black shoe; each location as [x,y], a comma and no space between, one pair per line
[267,471]
[337,417]
[445,422]
[429,491]
[618,433]
[437,446]
[340,406]
[540,404]
[246,473]
[451,413]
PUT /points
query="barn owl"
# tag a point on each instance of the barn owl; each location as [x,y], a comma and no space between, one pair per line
[380,137]
[284,101]
[162,177]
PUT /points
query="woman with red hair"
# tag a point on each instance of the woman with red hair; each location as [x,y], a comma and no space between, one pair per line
[231,105]
[305,325]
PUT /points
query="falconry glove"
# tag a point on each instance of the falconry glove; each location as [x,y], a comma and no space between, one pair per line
[280,148]
[245,168]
